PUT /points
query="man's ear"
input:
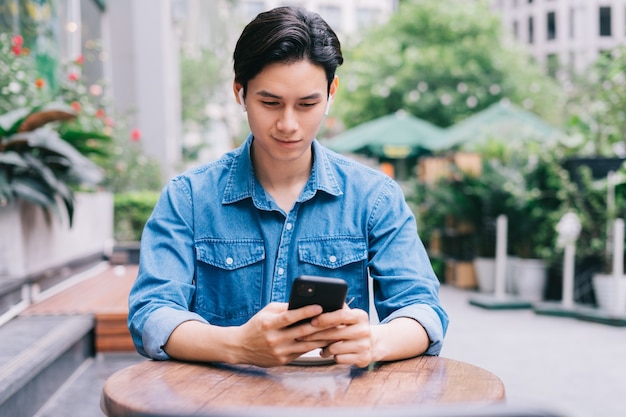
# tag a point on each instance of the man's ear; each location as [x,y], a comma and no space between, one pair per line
[331,94]
[238,90]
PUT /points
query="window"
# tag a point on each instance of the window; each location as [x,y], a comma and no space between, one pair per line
[516,29]
[605,21]
[531,30]
[251,9]
[365,17]
[572,23]
[552,64]
[551,23]
[332,16]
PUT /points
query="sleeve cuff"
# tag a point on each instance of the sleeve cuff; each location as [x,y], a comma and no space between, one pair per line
[429,320]
[160,326]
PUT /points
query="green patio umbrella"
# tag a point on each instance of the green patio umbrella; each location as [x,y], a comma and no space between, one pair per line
[502,120]
[395,136]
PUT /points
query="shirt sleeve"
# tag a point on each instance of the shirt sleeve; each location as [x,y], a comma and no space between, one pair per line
[162,295]
[404,281]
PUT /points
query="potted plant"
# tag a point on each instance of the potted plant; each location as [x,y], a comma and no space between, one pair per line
[538,206]
[48,148]
[36,164]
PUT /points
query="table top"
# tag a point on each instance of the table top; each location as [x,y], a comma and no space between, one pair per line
[171,388]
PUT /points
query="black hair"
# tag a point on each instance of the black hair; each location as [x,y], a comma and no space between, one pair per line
[286,35]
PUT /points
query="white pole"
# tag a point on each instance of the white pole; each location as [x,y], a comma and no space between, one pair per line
[618,267]
[501,237]
[568,276]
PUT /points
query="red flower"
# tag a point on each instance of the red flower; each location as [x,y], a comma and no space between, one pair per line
[76,106]
[39,83]
[135,135]
[17,40]
[80,60]
[73,76]
[100,114]
[108,121]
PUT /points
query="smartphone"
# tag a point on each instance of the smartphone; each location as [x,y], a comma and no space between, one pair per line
[330,293]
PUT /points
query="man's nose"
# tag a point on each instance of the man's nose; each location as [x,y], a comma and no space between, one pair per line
[288,122]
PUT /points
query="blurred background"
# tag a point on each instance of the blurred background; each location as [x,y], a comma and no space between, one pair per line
[478,109]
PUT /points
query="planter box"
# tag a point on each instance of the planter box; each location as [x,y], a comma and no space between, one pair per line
[530,277]
[605,289]
[460,274]
[31,244]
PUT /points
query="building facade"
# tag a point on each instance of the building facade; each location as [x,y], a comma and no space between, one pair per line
[344,16]
[565,34]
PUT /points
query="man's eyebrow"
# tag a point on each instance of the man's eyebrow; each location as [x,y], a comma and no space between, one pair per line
[264,93]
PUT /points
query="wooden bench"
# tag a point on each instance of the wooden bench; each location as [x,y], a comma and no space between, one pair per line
[105,296]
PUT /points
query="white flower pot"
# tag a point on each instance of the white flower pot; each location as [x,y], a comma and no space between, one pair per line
[30,244]
[605,288]
[530,278]
[485,269]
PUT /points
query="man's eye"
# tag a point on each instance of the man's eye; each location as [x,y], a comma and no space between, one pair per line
[270,103]
[308,104]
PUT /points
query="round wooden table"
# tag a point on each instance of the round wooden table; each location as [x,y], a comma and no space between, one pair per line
[170,388]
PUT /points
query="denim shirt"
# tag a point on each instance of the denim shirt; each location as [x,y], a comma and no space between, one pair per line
[217,248]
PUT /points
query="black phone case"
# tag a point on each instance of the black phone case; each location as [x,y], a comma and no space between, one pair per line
[330,293]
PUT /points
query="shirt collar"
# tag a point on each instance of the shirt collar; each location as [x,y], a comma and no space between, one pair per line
[242,182]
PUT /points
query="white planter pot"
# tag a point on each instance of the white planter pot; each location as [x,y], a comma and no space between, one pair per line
[530,278]
[485,269]
[605,289]
[31,245]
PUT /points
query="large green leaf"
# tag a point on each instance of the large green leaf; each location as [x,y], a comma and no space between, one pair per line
[11,121]
[13,159]
[50,142]
[35,192]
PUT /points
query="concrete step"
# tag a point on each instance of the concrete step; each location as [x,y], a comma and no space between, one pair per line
[37,355]
[80,395]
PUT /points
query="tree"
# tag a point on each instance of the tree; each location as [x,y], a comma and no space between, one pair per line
[597,107]
[440,60]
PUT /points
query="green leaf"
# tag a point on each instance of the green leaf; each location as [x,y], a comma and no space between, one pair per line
[12,158]
[11,121]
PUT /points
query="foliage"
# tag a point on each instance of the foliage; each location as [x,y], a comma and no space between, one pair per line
[440,60]
[36,164]
[597,107]
[44,141]
[20,84]
[197,89]
[132,210]
[90,131]
[532,189]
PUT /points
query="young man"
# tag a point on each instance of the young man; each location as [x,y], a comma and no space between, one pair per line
[226,240]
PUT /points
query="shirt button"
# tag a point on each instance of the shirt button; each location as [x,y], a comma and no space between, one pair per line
[229,261]
[289,226]
[333,258]
[281,271]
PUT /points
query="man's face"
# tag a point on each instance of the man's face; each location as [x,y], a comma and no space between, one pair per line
[285,105]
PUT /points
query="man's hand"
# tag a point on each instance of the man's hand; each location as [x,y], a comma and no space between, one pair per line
[345,334]
[268,340]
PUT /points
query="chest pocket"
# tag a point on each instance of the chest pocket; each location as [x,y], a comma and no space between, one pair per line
[338,257]
[332,252]
[230,254]
[229,279]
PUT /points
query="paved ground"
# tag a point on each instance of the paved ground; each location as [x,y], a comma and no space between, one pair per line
[572,367]
[575,367]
